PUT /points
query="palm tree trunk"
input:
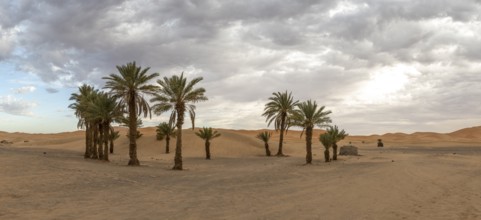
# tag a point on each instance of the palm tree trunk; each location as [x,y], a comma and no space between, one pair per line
[111,140]
[167,143]
[111,145]
[207,150]
[106,141]
[326,155]
[334,151]
[101,141]
[87,141]
[91,140]
[178,146]
[95,141]
[268,152]
[133,132]
[308,145]
[281,137]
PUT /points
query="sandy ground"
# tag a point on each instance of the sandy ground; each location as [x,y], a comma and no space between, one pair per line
[416,176]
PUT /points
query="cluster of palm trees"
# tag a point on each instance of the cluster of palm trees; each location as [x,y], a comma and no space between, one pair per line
[330,139]
[285,112]
[125,98]
[124,101]
[96,111]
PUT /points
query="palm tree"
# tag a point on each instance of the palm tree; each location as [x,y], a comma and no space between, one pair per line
[104,110]
[337,135]
[165,130]
[307,116]
[114,135]
[326,140]
[207,134]
[174,95]
[81,101]
[265,136]
[278,110]
[128,87]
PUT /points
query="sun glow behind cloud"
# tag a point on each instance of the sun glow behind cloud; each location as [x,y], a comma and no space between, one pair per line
[386,85]
[345,7]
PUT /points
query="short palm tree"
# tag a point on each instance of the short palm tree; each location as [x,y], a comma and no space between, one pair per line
[175,95]
[125,120]
[327,141]
[307,115]
[278,110]
[337,135]
[265,136]
[114,135]
[166,131]
[129,87]
[207,134]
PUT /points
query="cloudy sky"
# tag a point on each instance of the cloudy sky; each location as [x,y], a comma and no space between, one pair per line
[380,65]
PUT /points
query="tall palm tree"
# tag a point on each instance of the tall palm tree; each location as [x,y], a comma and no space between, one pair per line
[129,87]
[307,116]
[265,136]
[278,110]
[326,140]
[207,134]
[80,104]
[166,131]
[174,95]
[337,135]
[104,109]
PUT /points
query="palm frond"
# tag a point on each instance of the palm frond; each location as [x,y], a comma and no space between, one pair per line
[207,133]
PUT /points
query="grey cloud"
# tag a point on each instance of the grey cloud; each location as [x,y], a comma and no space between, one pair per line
[7,37]
[51,90]
[245,50]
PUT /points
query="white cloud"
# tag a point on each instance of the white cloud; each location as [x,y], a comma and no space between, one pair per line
[11,105]
[25,89]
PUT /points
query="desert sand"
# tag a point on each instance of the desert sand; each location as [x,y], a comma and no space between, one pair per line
[415,176]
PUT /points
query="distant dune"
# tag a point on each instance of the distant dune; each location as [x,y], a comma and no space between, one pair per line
[243,142]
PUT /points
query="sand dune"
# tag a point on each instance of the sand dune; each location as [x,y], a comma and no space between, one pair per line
[416,176]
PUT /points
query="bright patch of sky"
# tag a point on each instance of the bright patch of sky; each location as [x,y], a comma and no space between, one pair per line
[346,8]
[386,85]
